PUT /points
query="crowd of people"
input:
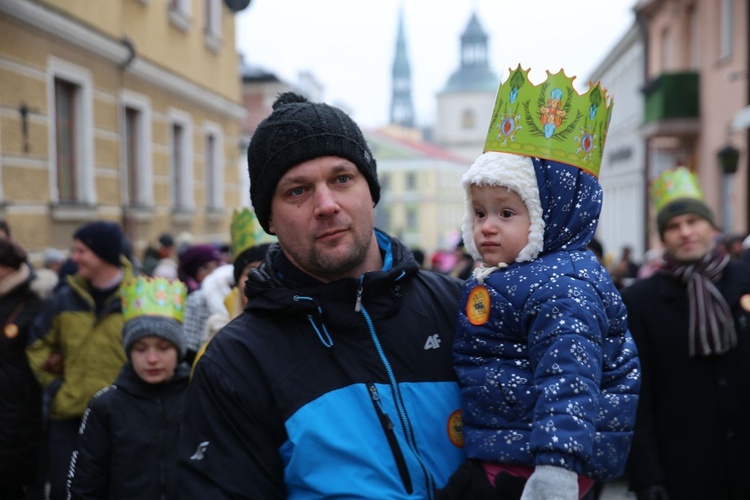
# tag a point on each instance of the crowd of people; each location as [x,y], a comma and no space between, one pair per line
[344,367]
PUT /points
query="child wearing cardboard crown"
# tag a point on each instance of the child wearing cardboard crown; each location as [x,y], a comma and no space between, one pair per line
[548,369]
[126,446]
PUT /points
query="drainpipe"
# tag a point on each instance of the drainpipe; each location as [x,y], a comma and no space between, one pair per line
[643,30]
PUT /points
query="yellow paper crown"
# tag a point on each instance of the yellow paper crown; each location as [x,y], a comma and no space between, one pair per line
[245,232]
[551,120]
[673,185]
[154,297]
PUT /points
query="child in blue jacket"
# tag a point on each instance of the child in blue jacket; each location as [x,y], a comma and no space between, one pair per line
[548,370]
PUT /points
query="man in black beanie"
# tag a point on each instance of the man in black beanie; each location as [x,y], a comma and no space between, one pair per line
[75,346]
[336,380]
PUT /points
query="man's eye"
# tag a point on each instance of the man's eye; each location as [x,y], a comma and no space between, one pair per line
[296,191]
[343,179]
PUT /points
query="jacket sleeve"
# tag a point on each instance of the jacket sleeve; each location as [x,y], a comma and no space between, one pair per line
[644,467]
[90,465]
[564,331]
[229,445]
[44,339]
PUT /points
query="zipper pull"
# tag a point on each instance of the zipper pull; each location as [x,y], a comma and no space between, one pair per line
[376,398]
[358,304]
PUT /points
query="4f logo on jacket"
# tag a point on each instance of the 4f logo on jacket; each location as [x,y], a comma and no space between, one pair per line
[198,455]
[433,342]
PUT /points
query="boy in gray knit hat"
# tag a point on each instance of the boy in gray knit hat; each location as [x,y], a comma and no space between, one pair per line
[126,445]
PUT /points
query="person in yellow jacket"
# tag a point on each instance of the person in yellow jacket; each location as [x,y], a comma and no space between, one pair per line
[75,347]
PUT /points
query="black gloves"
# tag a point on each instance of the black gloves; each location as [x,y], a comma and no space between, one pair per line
[470,482]
[653,492]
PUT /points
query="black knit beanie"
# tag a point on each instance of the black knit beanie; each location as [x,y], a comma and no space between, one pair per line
[298,131]
[682,206]
[104,238]
[153,326]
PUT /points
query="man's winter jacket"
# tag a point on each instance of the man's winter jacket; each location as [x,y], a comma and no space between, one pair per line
[338,390]
[90,345]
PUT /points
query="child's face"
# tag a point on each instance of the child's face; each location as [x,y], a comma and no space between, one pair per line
[154,359]
[501,223]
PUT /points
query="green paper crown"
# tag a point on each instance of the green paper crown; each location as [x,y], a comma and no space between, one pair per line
[551,120]
[673,185]
[154,297]
[245,232]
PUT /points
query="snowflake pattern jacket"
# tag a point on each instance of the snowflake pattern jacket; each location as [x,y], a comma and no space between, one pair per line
[550,373]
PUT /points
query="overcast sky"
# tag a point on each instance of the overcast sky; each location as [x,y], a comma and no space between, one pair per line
[349,45]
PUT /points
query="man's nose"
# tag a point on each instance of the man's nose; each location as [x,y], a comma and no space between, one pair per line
[325,201]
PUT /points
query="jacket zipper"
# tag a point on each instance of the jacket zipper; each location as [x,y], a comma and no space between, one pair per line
[387,424]
[397,400]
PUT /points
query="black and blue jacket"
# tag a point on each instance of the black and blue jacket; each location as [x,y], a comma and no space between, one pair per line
[336,390]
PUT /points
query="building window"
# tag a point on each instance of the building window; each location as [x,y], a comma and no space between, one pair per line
[132,147]
[179,14]
[181,161]
[385,182]
[137,170]
[411,219]
[70,134]
[666,50]
[65,140]
[212,25]
[411,181]
[468,121]
[725,30]
[214,172]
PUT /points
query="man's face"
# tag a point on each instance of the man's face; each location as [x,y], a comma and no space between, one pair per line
[89,264]
[322,213]
[688,237]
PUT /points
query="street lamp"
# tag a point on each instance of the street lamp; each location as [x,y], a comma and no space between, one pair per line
[729,158]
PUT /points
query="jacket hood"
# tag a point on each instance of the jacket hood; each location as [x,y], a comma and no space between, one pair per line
[564,202]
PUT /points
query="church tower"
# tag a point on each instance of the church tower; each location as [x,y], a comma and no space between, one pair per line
[402,107]
[466,102]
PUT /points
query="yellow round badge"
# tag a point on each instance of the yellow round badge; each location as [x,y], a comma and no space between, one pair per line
[745,302]
[478,306]
[11,330]
[456,428]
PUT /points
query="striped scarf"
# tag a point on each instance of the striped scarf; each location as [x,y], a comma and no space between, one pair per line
[711,322]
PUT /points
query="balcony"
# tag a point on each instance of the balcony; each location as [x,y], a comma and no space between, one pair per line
[672,105]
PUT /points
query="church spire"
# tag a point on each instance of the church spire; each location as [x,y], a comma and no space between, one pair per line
[402,108]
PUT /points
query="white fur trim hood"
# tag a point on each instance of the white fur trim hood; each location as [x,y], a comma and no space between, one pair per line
[517,174]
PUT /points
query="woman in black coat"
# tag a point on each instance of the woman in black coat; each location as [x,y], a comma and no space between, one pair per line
[20,393]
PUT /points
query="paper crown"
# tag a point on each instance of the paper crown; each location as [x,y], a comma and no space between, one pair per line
[154,297]
[674,185]
[245,232]
[551,120]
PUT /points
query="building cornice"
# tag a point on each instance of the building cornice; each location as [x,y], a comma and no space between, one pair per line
[56,25]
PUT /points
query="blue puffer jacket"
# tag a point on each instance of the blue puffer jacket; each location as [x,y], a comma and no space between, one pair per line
[548,369]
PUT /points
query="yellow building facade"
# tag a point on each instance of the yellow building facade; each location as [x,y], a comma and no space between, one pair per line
[125,110]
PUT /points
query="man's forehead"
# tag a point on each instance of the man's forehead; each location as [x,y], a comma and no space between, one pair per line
[331,165]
